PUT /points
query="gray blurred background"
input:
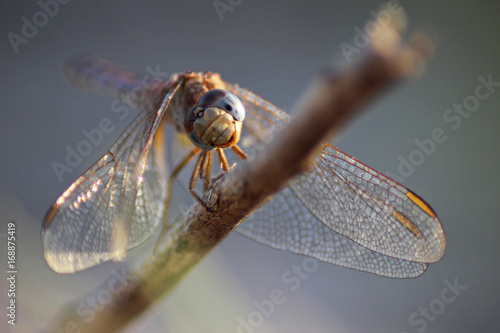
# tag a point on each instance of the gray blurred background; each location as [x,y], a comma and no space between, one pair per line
[274,49]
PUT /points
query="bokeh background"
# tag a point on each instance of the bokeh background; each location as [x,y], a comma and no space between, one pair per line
[274,49]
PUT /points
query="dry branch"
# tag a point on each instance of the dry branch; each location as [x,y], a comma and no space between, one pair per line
[334,97]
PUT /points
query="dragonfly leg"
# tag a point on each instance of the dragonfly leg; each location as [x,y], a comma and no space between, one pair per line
[202,169]
[223,160]
[239,152]
[206,168]
[196,172]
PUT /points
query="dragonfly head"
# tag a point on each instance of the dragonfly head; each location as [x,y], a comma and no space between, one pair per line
[215,121]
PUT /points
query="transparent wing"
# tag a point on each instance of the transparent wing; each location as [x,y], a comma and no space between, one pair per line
[262,121]
[285,223]
[346,197]
[113,206]
[371,209]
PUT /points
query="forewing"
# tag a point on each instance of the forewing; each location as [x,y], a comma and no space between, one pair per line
[150,199]
[369,208]
[113,206]
[348,197]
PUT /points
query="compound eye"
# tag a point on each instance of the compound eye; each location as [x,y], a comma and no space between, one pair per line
[232,105]
[224,100]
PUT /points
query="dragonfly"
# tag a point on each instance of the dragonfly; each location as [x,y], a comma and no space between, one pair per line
[341,211]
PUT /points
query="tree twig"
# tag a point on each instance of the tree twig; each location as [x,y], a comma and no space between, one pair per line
[334,97]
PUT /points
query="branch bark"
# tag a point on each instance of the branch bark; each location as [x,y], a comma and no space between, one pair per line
[333,98]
